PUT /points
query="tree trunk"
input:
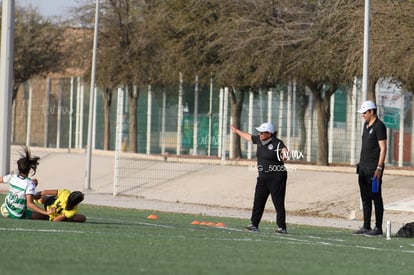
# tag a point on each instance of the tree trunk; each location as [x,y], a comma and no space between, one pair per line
[301,105]
[236,102]
[133,94]
[322,119]
[371,89]
[322,106]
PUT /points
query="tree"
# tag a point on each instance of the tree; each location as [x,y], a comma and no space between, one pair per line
[332,54]
[318,60]
[135,45]
[37,47]
[391,51]
[392,41]
[240,43]
[247,45]
[125,55]
[256,40]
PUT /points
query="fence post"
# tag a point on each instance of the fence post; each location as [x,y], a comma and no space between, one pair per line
[164,107]
[269,105]
[180,115]
[220,130]
[331,129]
[310,129]
[70,113]
[401,132]
[149,114]
[225,118]
[46,133]
[281,114]
[289,115]
[118,139]
[94,120]
[29,114]
[353,121]
[82,99]
[59,115]
[210,117]
[195,127]
[250,127]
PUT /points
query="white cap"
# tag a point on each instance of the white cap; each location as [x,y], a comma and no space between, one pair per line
[367,105]
[266,127]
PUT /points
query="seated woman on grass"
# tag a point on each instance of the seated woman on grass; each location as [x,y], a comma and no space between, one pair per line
[19,203]
[64,202]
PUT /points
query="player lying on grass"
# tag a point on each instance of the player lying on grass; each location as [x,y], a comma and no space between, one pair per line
[19,203]
[64,202]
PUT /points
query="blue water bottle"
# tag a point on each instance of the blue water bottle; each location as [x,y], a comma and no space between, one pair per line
[374,182]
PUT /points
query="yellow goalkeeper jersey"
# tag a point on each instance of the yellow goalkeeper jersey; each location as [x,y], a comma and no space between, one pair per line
[60,205]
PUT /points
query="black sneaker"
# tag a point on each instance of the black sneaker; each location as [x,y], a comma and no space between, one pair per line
[375,232]
[281,231]
[251,228]
[361,231]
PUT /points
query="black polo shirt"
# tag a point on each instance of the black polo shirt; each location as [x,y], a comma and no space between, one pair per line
[370,150]
[268,156]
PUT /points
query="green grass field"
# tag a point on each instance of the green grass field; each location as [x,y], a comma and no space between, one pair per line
[124,241]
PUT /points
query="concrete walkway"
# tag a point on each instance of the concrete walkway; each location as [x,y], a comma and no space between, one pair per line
[323,196]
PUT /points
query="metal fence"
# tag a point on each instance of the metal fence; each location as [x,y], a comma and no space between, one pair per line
[192,120]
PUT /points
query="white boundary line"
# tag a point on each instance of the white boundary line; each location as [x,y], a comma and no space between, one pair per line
[278,238]
[321,241]
[41,230]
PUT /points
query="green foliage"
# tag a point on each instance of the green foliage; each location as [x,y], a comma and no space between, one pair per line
[247,44]
[37,47]
[251,44]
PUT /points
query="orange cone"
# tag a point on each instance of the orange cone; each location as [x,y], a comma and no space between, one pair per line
[220,224]
[203,223]
[211,223]
[195,222]
[152,217]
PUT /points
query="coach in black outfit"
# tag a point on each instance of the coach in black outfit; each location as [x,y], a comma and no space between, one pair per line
[272,175]
[371,165]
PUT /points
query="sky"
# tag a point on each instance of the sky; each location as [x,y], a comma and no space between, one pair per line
[50,8]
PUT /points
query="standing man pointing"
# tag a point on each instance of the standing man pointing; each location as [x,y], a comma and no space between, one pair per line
[272,175]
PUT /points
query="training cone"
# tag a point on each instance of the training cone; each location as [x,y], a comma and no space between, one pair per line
[152,217]
[211,224]
[220,224]
[195,222]
[203,223]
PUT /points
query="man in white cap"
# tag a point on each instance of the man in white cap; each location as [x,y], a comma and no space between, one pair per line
[371,167]
[272,175]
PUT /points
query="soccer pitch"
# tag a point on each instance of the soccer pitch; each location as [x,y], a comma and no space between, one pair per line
[124,241]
